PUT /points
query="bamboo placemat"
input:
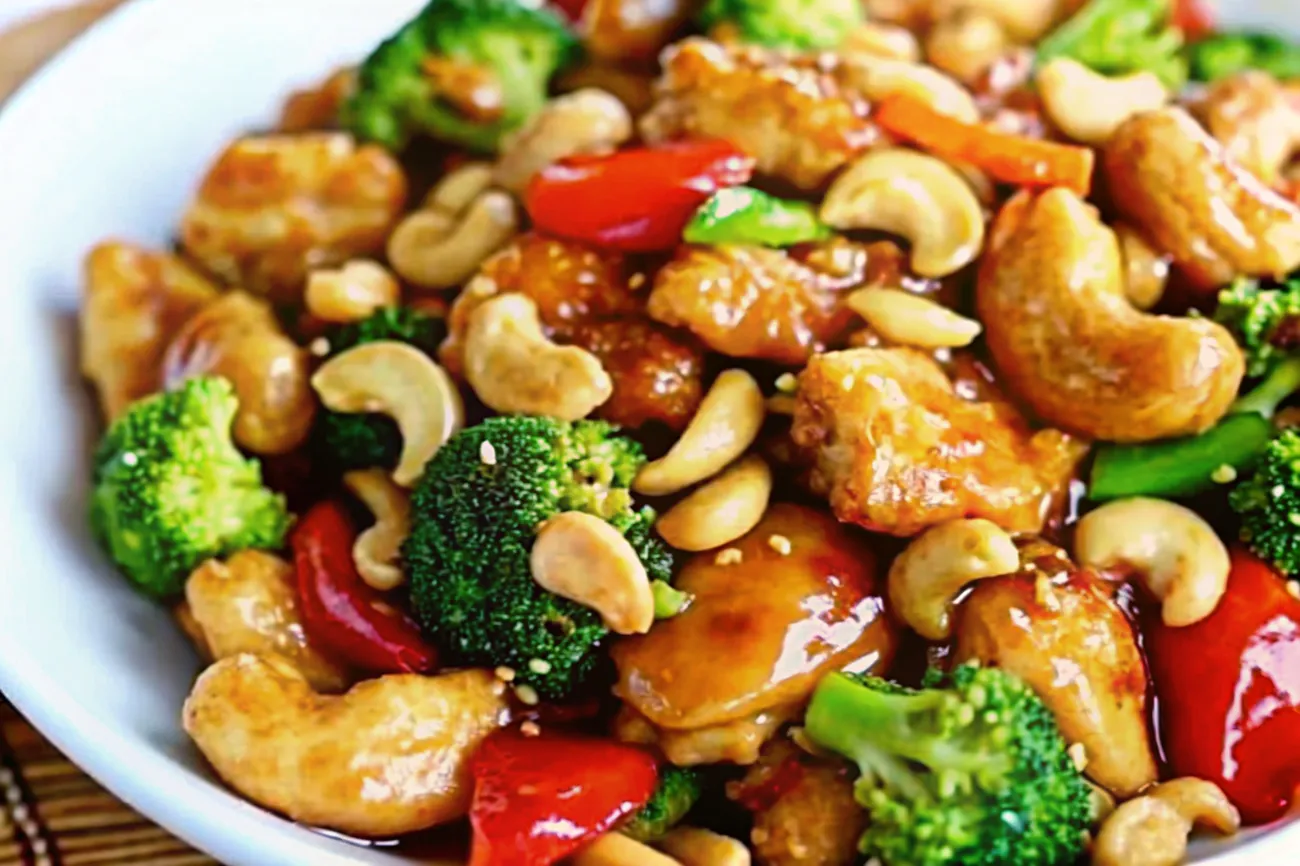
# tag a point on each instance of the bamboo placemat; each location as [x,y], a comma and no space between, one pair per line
[52,814]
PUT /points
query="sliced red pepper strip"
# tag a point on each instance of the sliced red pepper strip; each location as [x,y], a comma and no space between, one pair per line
[1229,691]
[636,200]
[1194,18]
[539,799]
[342,615]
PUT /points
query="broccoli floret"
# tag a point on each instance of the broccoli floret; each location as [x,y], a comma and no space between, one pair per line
[463,71]
[797,25]
[970,770]
[1266,322]
[1225,54]
[1268,503]
[170,489]
[678,791]
[1116,37]
[473,523]
[362,440]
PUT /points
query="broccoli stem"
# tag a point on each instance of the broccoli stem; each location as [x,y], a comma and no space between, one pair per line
[1192,464]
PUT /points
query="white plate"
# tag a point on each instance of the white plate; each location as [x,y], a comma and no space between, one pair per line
[110,141]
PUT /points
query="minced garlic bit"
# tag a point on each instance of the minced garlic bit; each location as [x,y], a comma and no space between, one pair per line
[1225,474]
[540,667]
[780,544]
[505,674]
[729,556]
[530,729]
[319,347]
[527,695]
[787,383]
[1079,755]
[487,453]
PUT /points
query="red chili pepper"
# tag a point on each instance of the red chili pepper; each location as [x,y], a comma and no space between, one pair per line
[572,9]
[539,799]
[1194,18]
[340,612]
[1229,690]
[636,200]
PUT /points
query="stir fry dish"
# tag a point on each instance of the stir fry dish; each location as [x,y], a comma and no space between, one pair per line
[791,432]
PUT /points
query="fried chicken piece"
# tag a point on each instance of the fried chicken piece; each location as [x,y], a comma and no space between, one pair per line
[754,302]
[1256,119]
[789,113]
[317,108]
[656,371]
[897,450]
[734,742]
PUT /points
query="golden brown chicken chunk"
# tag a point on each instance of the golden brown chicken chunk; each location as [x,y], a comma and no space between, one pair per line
[1257,120]
[133,302]
[627,31]
[754,302]
[896,450]
[273,207]
[657,372]
[317,108]
[735,742]
[789,113]
[804,811]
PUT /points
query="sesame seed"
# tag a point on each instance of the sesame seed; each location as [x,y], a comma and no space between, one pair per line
[319,347]
[1079,755]
[1277,491]
[530,729]
[1293,587]
[846,384]
[487,453]
[786,383]
[1225,474]
[527,695]
[130,459]
[780,544]
[505,674]
[636,281]
[539,666]
[729,556]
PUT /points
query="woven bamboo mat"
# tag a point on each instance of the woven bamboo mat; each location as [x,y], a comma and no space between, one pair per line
[52,814]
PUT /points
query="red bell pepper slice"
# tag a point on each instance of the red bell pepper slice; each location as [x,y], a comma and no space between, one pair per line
[1194,18]
[539,799]
[342,615]
[636,200]
[1229,691]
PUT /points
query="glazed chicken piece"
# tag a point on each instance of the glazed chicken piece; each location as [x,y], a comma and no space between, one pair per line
[897,450]
[1257,120]
[789,113]
[754,302]
[273,207]
[317,108]
[1060,630]
[586,297]
[133,302]
[804,811]
[736,742]
[775,622]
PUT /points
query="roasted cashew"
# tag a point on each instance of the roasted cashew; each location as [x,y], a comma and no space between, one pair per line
[459,188]
[615,849]
[1173,551]
[586,560]
[879,77]
[516,370]
[931,571]
[1023,20]
[249,604]
[697,847]
[1088,106]
[722,510]
[1146,271]
[723,428]
[876,39]
[1052,276]
[434,250]
[388,757]
[908,319]
[1152,829]
[913,195]
[351,293]
[966,43]
[377,551]
[585,121]
[402,382]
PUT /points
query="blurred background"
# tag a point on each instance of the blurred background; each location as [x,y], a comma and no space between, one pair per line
[32,30]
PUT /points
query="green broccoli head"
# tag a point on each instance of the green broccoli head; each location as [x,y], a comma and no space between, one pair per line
[419,80]
[1266,322]
[170,489]
[1225,54]
[678,791]
[362,440]
[797,25]
[472,526]
[969,771]
[1116,37]
[1268,503]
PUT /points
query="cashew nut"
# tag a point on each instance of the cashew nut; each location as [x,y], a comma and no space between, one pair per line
[458,188]
[615,849]
[515,369]
[722,510]
[585,121]
[908,319]
[249,604]
[1023,20]
[879,77]
[1152,830]
[377,551]
[402,382]
[1052,276]
[966,43]
[432,249]
[1088,106]
[1174,552]
[913,195]
[584,559]
[876,39]
[931,571]
[1146,271]
[351,293]
[388,757]
[696,847]
[723,428]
